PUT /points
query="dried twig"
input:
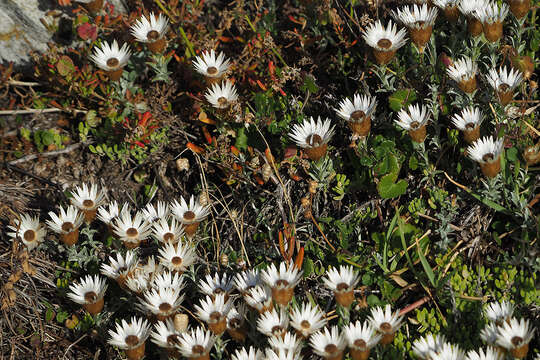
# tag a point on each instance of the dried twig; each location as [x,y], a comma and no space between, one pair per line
[45,154]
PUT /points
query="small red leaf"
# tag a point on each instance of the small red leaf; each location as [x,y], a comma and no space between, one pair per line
[87,31]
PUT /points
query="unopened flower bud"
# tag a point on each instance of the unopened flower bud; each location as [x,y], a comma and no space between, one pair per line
[182,164]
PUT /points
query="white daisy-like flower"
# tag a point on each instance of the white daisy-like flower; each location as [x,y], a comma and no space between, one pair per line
[28,230]
[87,198]
[132,230]
[190,213]
[307,319]
[272,323]
[343,279]
[250,354]
[360,108]
[111,57]
[67,221]
[312,134]
[272,354]
[361,337]
[138,282]
[504,80]
[414,117]
[489,334]
[216,285]
[486,150]
[222,96]
[151,29]
[287,343]
[490,354]
[498,312]
[196,343]
[425,346]
[121,266]
[282,281]
[259,298]
[210,65]
[515,335]
[470,7]
[108,215]
[151,267]
[162,302]
[177,257]
[247,280]
[214,311]
[469,118]
[166,231]
[165,334]
[492,13]
[90,290]
[328,343]
[168,280]
[384,39]
[463,69]
[386,322]
[442,4]
[130,335]
[415,16]
[154,213]
[448,352]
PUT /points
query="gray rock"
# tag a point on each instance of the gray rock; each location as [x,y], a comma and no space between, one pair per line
[21,30]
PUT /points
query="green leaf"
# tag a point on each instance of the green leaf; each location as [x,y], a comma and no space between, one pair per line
[401,98]
[511,154]
[308,266]
[413,163]
[388,189]
[241,139]
[65,66]
[61,316]
[427,267]
[309,85]
[49,315]
[47,138]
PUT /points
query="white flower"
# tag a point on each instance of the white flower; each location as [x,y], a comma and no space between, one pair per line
[247,280]
[490,354]
[312,134]
[120,266]
[448,352]
[87,198]
[307,319]
[470,7]
[110,57]
[167,231]
[222,96]
[285,277]
[236,316]
[384,39]
[384,321]
[177,256]
[344,279]
[168,280]
[463,69]
[130,335]
[138,282]
[498,312]
[515,334]
[107,216]
[251,354]
[216,285]
[503,80]
[469,118]
[486,150]
[492,13]
[213,310]
[162,302]
[28,230]
[90,290]
[152,213]
[416,17]
[414,117]
[68,220]
[272,354]
[211,66]
[442,4]
[145,30]
[489,334]
[189,214]
[132,229]
[272,323]
[196,343]
[361,337]
[165,334]
[359,109]
[286,343]
[259,297]
[428,344]
[328,344]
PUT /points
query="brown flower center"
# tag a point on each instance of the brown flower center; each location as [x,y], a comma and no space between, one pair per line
[215,316]
[282,283]
[358,115]
[385,327]
[132,340]
[314,140]
[235,323]
[68,226]
[415,125]
[29,235]
[470,126]
[176,260]
[189,215]
[384,43]
[222,101]
[168,237]
[305,324]
[90,297]
[331,349]
[212,70]
[88,203]
[277,330]
[504,88]
[516,340]
[152,35]
[113,62]
[218,291]
[165,307]
[420,24]
[197,349]
[132,232]
[172,339]
[342,287]
[488,157]
[360,343]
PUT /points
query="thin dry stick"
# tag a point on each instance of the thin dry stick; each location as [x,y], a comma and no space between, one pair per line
[22,83]
[463,187]
[532,128]
[29,111]
[48,153]
[74,343]
[324,236]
